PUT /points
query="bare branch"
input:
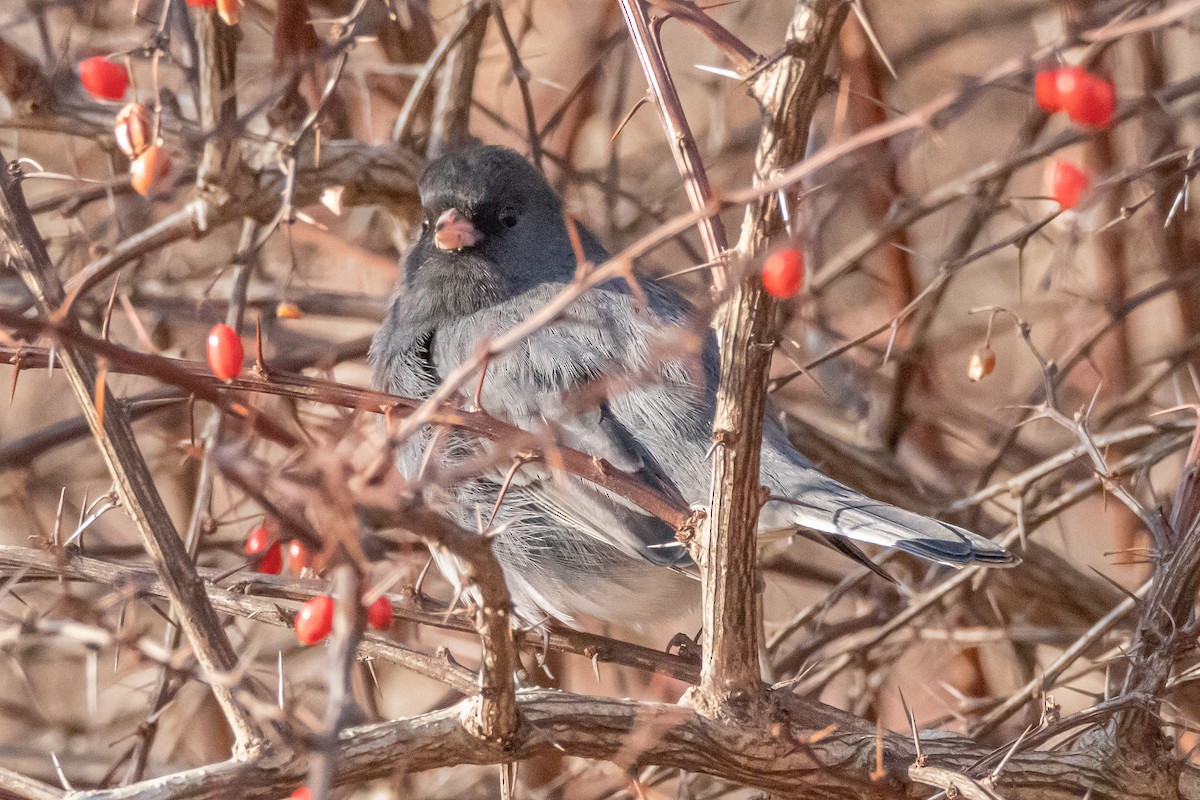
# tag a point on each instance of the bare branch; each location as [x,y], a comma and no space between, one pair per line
[679,136]
[787,91]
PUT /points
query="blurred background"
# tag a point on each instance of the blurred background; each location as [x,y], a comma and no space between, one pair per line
[922,252]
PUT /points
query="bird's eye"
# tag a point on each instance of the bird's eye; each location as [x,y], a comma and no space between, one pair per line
[425,223]
[509,217]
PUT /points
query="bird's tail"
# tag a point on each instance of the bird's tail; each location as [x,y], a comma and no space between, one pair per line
[806,497]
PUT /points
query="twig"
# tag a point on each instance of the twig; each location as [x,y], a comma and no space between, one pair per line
[200,510]
[679,136]
[521,75]
[16,785]
[216,52]
[448,126]
[1043,682]
[743,56]
[420,87]
[20,452]
[497,715]
[234,600]
[341,709]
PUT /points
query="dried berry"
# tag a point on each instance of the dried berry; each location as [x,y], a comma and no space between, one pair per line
[132,129]
[982,363]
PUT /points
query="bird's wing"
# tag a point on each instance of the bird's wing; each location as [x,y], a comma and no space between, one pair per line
[536,385]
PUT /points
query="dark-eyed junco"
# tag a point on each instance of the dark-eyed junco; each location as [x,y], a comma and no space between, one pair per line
[494,249]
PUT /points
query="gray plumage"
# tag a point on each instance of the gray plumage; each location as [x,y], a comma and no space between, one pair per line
[493,250]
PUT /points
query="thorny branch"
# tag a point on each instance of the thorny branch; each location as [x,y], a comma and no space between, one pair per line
[291,441]
[134,484]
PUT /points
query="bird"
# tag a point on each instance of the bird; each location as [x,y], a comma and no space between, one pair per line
[495,246]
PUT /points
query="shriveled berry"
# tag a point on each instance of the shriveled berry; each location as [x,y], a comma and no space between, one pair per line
[224,352]
[982,363]
[783,273]
[286,310]
[314,620]
[133,129]
[230,11]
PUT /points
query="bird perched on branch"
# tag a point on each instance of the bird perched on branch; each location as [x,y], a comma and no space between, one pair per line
[624,373]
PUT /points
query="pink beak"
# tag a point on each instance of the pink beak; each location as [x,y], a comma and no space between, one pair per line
[452,231]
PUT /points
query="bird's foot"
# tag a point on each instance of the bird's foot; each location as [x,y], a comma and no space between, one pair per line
[685,646]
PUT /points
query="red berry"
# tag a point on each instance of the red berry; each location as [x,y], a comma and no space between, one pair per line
[1045,91]
[303,793]
[224,352]
[298,555]
[1067,82]
[257,541]
[1066,183]
[379,614]
[150,172]
[783,273]
[314,620]
[202,3]
[103,78]
[1093,101]
[271,562]
[268,552]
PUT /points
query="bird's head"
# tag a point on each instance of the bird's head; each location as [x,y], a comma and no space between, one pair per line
[491,228]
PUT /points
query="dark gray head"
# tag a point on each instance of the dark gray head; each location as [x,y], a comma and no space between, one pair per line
[491,228]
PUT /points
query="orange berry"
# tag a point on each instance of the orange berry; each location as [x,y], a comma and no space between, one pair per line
[1092,101]
[271,562]
[257,541]
[1045,91]
[298,555]
[150,172]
